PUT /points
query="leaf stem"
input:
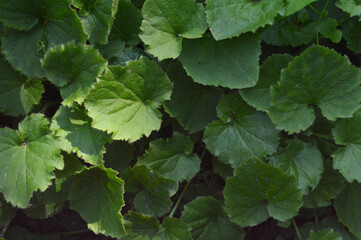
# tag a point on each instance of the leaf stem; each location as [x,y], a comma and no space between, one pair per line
[296,229]
[316,220]
[74,232]
[323,136]
[179,199]
[314,9]
[319,20]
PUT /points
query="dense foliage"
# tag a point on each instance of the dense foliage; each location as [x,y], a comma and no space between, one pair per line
[181,119]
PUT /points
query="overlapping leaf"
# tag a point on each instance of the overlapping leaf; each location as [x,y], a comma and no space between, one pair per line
[241,132]
[97,17]
[353,7]
[167,22]
[209,221]
[23,92]
[172,158]
[229,63]
[74,127]
[28,157]
[97,194]
[351,31]
[301,160]
[35,26]
[140,227]
[124,101]
[318,77]
[193,105]
[293,6]
[74,69]
[174,229]
[152,190]
[259,191]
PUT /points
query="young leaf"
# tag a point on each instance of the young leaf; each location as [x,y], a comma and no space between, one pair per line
[318,77]
[97,17]
[74,127]
[97,194]
[328,29]
[353,7]
[124,101]
[301,160]
[293,6]
[46,23]
[174,229]
[259,96]
[152,190]
[229,18]
[140,227]
[347,159]
[172,158]
[24,93]
[229,63]
[166,22]
[347,206]
[209,221]
[193,105]
[351,31]
[325,234]
[28,157]
[74,69]
[259,191]
[241,132]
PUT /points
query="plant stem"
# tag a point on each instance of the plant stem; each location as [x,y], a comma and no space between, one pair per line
[296,228]
[323,136]
[179,199]
[74,232]
[203,153]
[314,9]
[320,18]
[316,220]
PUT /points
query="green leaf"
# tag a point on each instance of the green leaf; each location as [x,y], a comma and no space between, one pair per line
[259,191]
[124,101]
[347,159]
[152,190]
[24,93]
[209,221]
[7,213]
[229,63]
[118,155]
[328,29]
[230,18]
[127,23]
[127,55]
[318,77]
[193,105]
[259,96]
[329,187]
[293,6]
[174,229]
[172,158]
[353,7]
[74,127]
[241,132]
[351,31]
[46,23]
[167,22]
[74,69]
[325,234]
[97,194]
[97,17]
[347,205]
[31,151]
[140,227]
[294,30]
[301,160]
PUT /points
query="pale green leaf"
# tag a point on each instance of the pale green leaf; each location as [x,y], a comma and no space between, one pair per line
[152,190]
[97,17]
[318,77]
[231,63]
[230,18]
[259,191]
[353,7]
[167,22]
[124,101]
[259,96]
[301,160]
[325,234]
[209,221]
[241,132]
[18,94]
[47,23]
[28,157]
[74,69]
[97,194]
[328,29]
[172,158]
[348,205]
[74,127]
